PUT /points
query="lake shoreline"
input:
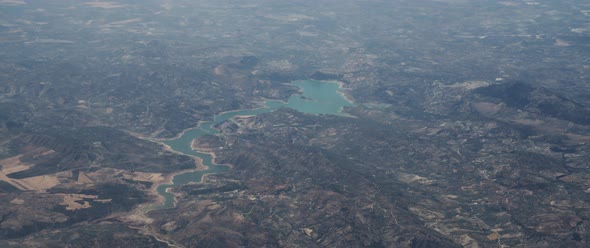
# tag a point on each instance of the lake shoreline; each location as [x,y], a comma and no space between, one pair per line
[208,128]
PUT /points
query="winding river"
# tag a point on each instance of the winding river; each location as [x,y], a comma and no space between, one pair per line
[316,97]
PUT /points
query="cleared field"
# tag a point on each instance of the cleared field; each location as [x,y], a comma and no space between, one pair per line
[80,201]
[84,179]
[40,183]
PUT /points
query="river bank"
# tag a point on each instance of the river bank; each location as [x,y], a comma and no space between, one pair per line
[316,97]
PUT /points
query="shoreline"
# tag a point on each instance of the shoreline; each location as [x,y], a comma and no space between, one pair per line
[211,152]
[346,96]
[341,85]
[262,103]
[168,178]
[160,199]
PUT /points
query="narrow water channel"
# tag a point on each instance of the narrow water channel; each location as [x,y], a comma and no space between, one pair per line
[317,97]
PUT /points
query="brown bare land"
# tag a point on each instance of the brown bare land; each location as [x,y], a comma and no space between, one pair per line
[71,201]
[13,164]
[84,179]
[40,183]
[487,108]
[145,177]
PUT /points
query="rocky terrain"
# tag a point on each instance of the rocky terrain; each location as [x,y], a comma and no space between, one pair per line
[470,126]
[485,174]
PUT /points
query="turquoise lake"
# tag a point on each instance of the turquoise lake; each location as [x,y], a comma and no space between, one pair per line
[316,97]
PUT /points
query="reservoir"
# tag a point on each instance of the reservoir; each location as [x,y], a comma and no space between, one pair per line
[316,97]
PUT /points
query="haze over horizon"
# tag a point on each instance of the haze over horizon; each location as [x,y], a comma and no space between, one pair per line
[265,123]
